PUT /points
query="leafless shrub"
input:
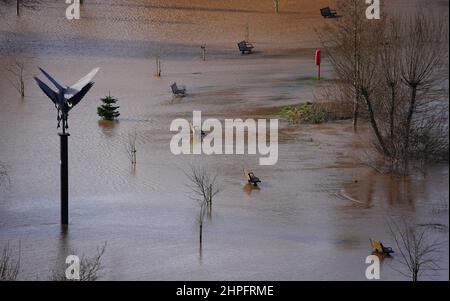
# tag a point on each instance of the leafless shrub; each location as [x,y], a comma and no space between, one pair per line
[18,75]
[9,264]
[158,66]
[418,253]
[204,188]
[343,42]
[89,267]
[30,4]
[131,148]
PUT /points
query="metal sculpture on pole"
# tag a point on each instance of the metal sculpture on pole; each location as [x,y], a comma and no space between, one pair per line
[64,99]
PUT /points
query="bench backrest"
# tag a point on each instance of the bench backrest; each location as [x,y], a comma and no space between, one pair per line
[376,245]
[326,11]
[174,87]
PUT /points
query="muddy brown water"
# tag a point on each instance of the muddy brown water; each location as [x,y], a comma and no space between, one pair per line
[310,219]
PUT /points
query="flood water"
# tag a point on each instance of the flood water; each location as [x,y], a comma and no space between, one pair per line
[310,219]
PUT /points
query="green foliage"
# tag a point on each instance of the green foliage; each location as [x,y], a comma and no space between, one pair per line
[108,110]
[305,113]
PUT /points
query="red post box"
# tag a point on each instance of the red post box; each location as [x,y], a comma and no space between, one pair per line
[318,60]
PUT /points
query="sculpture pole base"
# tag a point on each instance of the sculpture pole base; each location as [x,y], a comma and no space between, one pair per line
[64,179]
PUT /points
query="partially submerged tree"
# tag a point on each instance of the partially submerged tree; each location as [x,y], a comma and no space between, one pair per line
[418,252]
[398,76]
[9,264]
[204,187]
[344,40]
[131,148]
[31,4]
[108,110]
[18,74]
[158,66]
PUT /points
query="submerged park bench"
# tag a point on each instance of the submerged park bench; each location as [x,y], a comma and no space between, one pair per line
[327,12]
[245,47]
[252,179]
[177,91]
[379,248]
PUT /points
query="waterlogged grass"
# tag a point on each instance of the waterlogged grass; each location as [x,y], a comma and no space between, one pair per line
[317,78]
[305,113]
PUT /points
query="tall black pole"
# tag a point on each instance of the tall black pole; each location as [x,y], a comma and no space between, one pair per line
[64,101]
[64,175]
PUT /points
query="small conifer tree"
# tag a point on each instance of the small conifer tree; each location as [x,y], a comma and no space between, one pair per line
[108,110]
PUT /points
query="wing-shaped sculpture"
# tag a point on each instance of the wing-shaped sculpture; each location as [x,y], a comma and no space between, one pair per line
[48,91]
[74,89]
[58,86]
[77,97]
[66,98]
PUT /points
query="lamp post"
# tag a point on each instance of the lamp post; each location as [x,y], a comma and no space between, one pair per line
[64,99]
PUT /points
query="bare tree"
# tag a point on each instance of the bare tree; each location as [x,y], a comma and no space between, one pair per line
[18,74]
[158,66]
[344,41]
[89,267]
[418,253]
[131,148]
[31,4]
[423,54]
[9,264]
[399,69]
[204,188]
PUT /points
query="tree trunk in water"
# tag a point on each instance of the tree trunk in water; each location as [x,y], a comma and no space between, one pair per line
[356,70]
[17,7]
[201,233]
[412,106]
[392,112]
[373,122]
[355,112]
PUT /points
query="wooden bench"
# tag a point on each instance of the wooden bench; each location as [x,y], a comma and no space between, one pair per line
[252,179]
[379,248]
[177,91]
[327,12]
[245,47]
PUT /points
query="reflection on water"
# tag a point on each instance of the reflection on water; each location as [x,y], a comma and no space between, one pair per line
[312,216]
[249,188]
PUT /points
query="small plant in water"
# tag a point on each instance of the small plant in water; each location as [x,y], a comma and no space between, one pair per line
[158,67]
[305,113]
